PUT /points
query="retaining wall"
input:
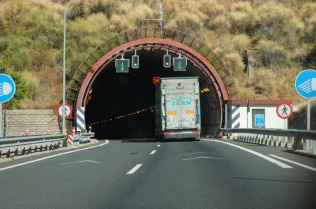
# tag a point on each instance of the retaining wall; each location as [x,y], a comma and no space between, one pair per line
[15,122]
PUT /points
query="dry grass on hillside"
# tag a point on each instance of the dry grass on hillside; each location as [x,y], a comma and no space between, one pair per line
[282,31]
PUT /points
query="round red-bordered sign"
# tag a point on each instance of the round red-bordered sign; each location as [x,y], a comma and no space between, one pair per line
[284,110]
[156,80]
[68,110]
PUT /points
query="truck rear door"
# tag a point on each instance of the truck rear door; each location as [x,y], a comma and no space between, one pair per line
[181,111]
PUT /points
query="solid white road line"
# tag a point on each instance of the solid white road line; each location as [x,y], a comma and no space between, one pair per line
[153,152]
[293,162]
[282,165]
[81,161]
[133,170]
[52,156]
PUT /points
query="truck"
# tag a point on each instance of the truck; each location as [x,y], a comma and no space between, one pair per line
[178,113]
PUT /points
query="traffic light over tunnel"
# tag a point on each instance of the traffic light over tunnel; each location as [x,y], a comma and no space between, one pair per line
[166,61]
[135,61]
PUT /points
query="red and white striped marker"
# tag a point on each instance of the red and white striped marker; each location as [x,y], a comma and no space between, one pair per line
[70,139]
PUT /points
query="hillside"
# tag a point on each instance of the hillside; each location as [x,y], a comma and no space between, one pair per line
[282,32]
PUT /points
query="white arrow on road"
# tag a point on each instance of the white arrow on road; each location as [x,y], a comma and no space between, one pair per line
[203,157]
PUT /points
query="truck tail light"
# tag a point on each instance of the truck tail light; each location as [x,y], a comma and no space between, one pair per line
[196,131]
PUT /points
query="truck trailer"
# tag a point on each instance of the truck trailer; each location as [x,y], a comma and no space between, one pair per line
[178,113]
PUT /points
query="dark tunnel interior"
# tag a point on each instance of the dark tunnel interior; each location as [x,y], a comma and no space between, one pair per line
[121,105]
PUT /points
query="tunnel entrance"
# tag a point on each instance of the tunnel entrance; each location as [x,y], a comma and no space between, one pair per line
[122,105]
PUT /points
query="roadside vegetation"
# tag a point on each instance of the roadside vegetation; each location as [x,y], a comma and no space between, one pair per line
[283,32]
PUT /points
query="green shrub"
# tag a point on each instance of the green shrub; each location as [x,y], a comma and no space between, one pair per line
[21,60]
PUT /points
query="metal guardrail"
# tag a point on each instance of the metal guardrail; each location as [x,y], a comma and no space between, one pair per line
[82,138]
[276,137]
[27,144]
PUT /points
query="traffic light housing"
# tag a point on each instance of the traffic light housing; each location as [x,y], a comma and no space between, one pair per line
[179,64]
[166,61]
[122,65]
[135,61]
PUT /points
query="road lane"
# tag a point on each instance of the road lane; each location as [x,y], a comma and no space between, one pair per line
[203,174]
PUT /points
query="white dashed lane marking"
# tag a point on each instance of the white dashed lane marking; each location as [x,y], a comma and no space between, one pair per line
[133,170]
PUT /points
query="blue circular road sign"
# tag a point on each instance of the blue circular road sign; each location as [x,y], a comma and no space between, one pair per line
[305,83]
[7,88]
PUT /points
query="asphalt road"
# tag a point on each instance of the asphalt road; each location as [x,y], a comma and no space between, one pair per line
[146,174]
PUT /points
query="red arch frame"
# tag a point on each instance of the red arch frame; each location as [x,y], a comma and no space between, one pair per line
[158,43]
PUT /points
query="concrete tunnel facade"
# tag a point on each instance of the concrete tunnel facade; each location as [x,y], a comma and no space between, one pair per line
[122,105]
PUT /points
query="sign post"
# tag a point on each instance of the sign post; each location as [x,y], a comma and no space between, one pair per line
[305,85]
[7,90]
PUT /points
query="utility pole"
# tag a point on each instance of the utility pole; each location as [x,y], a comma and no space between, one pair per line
[64,70]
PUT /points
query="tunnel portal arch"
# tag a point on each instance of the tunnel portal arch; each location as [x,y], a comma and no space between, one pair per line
[161,39]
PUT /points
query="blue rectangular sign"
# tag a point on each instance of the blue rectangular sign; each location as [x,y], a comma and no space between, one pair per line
[259,120]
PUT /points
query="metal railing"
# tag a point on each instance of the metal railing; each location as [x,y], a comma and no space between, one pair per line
[287,138]
[28,144]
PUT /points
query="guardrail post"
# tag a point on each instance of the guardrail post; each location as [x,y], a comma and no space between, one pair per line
[286,142]
[45,147]
[274,141]
[16,151]
[50,146]
[8,154]
[260,139]
[56,145]
[29,149]
[264,139]
[23,150]
[279,141]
